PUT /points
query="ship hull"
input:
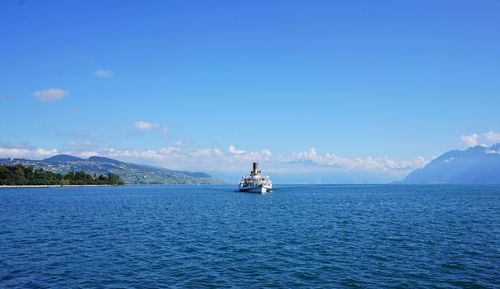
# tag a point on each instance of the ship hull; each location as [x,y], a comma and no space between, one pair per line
[258,189]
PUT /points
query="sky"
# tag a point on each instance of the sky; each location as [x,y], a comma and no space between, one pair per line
[340,87]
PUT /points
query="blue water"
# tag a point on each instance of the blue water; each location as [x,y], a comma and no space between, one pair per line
[297,236]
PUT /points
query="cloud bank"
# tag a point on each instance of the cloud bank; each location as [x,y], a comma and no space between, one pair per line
[469,140]
[360,163]
[485,139]
[231,159]
[493,137]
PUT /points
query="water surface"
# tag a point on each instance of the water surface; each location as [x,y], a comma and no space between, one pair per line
[211,236]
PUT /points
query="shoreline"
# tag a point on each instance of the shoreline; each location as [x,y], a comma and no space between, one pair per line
[50,186]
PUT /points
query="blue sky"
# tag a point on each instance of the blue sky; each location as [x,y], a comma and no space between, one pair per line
[172,83]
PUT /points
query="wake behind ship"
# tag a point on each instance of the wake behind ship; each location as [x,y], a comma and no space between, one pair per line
[256,183]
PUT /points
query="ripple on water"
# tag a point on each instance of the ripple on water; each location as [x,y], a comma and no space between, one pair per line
[212,237]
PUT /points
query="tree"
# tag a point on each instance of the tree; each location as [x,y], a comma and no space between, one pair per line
[20,175]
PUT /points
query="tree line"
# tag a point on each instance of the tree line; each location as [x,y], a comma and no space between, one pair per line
[21,175]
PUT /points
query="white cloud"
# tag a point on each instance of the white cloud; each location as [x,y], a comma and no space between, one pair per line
[201,153]
[266,153]
[469,140]
[103,73]
[360,163]
[30,153]
[50,94]
[485,139]
[238,155]
[179,156]
[145,125]
[493,137]
[233,150]
[218,152]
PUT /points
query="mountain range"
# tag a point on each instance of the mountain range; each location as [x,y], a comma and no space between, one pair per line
[476,165]
[129,173]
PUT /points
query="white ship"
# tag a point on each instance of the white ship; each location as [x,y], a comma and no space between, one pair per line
[256,183]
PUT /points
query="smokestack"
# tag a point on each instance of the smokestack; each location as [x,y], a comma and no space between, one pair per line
[255,168]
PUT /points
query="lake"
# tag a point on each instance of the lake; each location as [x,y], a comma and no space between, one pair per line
[377,236]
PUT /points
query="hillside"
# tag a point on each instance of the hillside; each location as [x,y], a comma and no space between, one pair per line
[476,165]
[20,175]
[129,173]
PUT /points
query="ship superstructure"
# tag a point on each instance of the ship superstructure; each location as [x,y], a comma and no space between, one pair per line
[255,182]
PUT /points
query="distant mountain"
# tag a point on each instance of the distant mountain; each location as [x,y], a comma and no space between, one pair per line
[476,165]
[103,160]
[129,173]
[62,158]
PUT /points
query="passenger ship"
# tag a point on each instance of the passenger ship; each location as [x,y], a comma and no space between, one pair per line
[256,183]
